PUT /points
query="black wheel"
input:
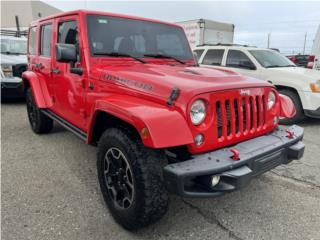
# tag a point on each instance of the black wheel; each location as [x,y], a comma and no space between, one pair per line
[131,180]
[297,103]
[39,122]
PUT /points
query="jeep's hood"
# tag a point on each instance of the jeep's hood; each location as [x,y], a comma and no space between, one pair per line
[294,73]
[159,80]
[13,59]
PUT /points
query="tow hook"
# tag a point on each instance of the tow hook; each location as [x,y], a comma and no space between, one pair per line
[236,154]
[290,134]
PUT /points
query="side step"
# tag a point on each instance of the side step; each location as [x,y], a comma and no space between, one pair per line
[78,132]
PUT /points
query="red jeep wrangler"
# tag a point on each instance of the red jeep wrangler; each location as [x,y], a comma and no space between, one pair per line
[162,124]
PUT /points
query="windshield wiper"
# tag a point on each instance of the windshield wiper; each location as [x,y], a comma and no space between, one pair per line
[164,56]
[117,54]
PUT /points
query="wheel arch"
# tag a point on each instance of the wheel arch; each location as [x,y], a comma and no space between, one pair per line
[282,87]
[157,126]
[39,91]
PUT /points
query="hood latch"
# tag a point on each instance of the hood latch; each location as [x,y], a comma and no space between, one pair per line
[173,96]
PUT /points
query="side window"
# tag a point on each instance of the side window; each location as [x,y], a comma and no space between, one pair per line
[45,42]
[68,32]
[32,41]
[213,57]
[239,59]
[198,53]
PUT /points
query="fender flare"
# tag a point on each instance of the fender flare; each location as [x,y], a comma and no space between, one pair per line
[166,127]
[39,89]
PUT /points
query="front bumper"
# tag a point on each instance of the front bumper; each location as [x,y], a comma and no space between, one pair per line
[192,178]
[310,100]
[11,87]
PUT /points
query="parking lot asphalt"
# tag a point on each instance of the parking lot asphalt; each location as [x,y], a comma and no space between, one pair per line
[49,190]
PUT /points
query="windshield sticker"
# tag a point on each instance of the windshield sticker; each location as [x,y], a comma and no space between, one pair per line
[128,82]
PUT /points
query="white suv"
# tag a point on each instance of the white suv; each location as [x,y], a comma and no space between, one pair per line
[300,84]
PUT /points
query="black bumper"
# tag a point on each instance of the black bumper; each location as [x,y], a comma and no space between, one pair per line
[313,113]
[12,89]
[192,178]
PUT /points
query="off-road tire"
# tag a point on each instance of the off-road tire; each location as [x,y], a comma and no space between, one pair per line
[39,122]
[150,199]
[297,103]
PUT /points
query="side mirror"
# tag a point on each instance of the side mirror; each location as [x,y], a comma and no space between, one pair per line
[66,53]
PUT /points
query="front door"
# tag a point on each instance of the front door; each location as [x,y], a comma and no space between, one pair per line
[240,62]
[69,87]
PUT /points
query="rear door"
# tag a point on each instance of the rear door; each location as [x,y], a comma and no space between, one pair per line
[213,57]
[69,87]
[44,62]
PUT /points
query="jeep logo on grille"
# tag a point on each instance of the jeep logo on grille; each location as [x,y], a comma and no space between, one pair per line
[244,92]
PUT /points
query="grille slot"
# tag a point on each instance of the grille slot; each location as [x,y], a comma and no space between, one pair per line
[239,115]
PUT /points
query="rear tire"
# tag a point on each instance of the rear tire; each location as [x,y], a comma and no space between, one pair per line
[297,103]
[146,201]
[39,122]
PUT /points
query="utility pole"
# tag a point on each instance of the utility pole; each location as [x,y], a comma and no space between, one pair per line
[268,45]
[305,42]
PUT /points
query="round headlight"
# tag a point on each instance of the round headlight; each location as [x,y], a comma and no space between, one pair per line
[198,112]
[271,100]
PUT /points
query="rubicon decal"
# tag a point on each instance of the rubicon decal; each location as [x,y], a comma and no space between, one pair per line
[128,82]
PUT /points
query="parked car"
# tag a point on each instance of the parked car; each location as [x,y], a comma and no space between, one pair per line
[13,63]
[162,124]
[301,85]
[299,60]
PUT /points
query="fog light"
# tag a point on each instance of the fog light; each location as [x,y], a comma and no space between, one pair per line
[275,120]
[198,140]
[215,180]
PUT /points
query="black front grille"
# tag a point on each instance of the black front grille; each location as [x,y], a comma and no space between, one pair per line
[252,117]
[18,69]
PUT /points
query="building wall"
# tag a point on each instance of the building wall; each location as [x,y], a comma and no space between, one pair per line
[27,11]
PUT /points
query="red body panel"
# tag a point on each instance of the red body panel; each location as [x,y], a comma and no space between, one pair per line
[137,93]
[166,128]
[39,89]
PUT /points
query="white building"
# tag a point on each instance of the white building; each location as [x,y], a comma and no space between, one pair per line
[26,11]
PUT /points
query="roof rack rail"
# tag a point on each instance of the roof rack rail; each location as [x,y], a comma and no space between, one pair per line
[225,44]
[13,33]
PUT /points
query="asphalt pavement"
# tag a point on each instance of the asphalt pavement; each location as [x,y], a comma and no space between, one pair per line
[49,190]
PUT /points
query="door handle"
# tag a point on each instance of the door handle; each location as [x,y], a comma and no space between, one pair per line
[55,70]
[39,66]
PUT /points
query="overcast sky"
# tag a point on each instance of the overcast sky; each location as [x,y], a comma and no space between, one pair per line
[286,21]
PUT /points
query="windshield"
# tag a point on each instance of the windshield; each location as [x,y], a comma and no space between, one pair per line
[269,59]
[136,38]
[14,46]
